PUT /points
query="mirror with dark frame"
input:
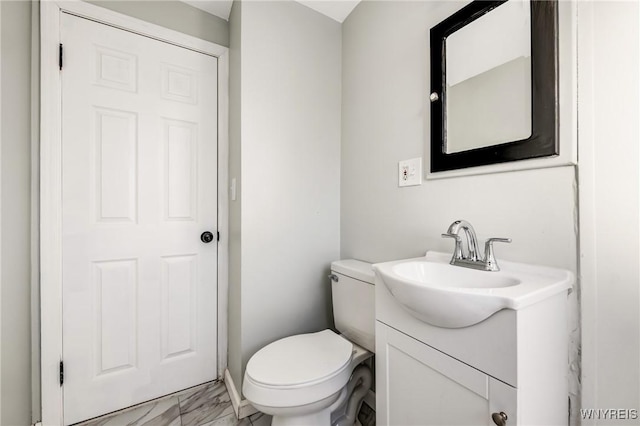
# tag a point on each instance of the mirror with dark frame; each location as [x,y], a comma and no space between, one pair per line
[494,85]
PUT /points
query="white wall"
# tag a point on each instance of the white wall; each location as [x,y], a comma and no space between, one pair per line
[385,119]
[0,207]
[235,206]
[15,334]
[385,79]
[290,172]
[175,15]
[609,65]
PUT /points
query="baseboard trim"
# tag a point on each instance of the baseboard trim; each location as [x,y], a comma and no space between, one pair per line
[241,407]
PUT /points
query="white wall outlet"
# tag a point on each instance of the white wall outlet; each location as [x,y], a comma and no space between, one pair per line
[410,172]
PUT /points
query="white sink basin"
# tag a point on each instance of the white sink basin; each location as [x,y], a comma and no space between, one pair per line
[450,296]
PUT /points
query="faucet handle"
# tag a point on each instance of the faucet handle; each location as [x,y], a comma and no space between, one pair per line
[498,240]
[454,236]
[457,251]
[489,257]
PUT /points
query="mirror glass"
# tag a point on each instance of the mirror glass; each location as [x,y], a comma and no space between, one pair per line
[488,79]
[494,84]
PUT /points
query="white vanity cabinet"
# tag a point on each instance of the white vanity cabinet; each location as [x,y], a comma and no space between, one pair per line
[422,386]
[514,362]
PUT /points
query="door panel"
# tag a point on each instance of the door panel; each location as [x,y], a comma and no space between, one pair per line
[139,178]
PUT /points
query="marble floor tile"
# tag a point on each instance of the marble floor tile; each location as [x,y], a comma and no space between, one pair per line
[193,389]
[260,419]
[205,404]
[161,412]
[229,420]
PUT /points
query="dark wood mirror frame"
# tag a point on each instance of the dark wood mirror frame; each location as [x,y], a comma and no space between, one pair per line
[543,141]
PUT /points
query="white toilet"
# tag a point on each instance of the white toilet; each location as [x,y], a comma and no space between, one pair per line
[317,378]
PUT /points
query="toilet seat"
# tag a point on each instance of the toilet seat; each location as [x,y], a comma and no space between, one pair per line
[298,370]
[300,360]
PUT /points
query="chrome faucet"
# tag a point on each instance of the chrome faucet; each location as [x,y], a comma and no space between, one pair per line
[472,259]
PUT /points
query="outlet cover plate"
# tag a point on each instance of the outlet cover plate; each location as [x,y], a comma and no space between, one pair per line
[410,172]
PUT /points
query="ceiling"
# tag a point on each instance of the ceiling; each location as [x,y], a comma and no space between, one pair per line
[334,9]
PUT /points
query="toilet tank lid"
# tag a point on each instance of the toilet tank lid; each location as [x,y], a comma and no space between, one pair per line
[355,269]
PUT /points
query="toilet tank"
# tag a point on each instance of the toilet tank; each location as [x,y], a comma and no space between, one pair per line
[353,295]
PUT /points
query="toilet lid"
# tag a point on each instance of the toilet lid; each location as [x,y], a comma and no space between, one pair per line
[300,359]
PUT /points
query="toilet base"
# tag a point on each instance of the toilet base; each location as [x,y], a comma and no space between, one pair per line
[345,412]
[316,414]
[340,409]
[322,418]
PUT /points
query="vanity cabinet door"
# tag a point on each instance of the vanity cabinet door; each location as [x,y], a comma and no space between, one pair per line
[419,385]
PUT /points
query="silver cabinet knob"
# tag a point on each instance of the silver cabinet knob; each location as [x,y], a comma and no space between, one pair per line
[434,96]
[499,418]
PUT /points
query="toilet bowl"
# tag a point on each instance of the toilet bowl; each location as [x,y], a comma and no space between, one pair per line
[318,379]
[301,380]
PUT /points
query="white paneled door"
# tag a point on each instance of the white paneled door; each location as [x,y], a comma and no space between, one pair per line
[139,189]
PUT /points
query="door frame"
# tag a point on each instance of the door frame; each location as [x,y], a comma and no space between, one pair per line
[51,182]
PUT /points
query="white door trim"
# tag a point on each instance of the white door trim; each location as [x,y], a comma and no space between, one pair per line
[0,206]
[51,182]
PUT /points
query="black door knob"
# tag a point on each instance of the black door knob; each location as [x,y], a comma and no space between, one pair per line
[206,237]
